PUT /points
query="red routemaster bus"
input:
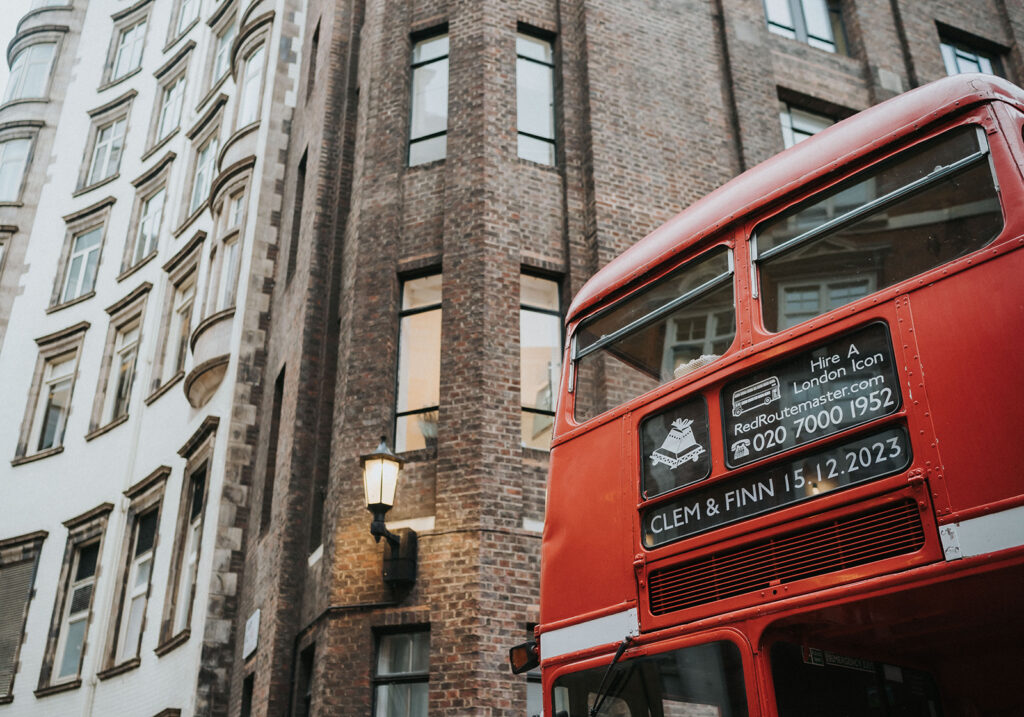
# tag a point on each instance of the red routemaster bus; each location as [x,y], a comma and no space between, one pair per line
[787,476]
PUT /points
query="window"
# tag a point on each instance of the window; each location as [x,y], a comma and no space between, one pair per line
[30,72]
[878,228]
[81,272]
[117,370]
[798,124]
[419,364]
[222,54]
[961,57]
[304,683]
[13,160]
[176,319]
[300,192]
[819,23]
[184,569]
[136,585]
[429,123]
[535,99]
[49,400]
[314,48]
[247,688]
[188,11]
[72,609]
[126,351]
[249,96]
[228,281]
[18,559]
[400,679]
[656,335]
[206,158]
[130,44]
[150,219]
[540,357]
[76,611]
[106,153]
[170,107]
[271,462]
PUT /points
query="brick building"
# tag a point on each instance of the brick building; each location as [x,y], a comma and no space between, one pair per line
[410,192]
[431,203]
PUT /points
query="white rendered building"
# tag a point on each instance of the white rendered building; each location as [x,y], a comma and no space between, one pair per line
[140,171]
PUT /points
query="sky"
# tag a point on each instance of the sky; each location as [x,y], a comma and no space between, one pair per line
[10,12]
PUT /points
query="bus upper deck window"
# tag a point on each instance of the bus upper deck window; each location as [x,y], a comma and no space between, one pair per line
[922,208]
[677,324]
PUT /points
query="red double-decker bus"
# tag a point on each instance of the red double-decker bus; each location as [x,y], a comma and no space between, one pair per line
[787,476]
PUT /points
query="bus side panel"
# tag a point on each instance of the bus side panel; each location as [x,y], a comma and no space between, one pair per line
[970,333]
[587,564]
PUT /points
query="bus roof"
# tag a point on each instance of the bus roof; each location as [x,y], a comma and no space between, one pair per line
[845,141]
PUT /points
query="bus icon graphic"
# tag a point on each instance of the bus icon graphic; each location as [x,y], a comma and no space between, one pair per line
[755,395]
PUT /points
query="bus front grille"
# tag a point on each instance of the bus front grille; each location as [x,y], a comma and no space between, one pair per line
[883,532]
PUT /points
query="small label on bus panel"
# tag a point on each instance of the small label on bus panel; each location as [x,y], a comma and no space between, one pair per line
[818,393]
[874,456]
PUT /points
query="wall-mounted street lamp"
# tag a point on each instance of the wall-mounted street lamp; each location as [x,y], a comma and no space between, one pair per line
[380,480]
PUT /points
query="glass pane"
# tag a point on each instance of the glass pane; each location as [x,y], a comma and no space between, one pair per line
[419,361]
[806,123]
[87,557]
[949,59]
[416,431]
[146,533]
[75,636]
[536,430]
[536,150]
[429,99]
[540,358]
[428,150]
[403,652]
[652,298]
[656,353]
[947,220]
[535,98]
[539,293]
[430,49]
[534,48]
[817,19]
[57,401]
[13,155]
[425,291]
[691,682]
[780,18]
[133,627]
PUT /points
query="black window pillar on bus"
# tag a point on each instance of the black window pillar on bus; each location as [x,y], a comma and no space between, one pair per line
[926,206]
[673,326]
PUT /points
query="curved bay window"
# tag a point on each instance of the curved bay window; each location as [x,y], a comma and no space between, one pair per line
[925,207]
[676,325]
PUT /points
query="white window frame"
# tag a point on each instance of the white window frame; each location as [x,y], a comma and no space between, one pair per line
[12,169]
[69,618]
[128,644]
[147,237]
[188,12]
[131,42]
[192,539]
[251,88]
[202,177]
[83,285]
[105,148]
[954,52]
[793,19]
[222,51]
[798,123]
[30,72]
[57,370]
[171,101]
[121,379]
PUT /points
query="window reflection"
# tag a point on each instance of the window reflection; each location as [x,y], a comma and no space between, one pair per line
[540,357]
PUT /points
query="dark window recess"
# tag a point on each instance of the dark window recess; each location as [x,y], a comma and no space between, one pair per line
[300,192]
[271,465]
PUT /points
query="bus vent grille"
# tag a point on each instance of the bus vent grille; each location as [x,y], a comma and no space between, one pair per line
[884,532]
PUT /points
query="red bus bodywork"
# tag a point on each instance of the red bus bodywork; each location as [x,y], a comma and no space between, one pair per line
[948,601]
